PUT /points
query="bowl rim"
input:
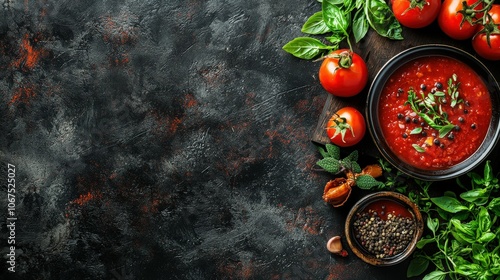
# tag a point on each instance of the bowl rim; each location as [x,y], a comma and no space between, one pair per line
[427,50]
[365,201]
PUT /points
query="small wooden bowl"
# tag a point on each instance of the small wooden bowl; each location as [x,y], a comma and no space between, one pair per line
[398,200]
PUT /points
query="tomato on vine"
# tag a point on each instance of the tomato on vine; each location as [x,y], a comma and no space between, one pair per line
[346,127]
[416,13]
[456,18]
[343,73]
[486,42]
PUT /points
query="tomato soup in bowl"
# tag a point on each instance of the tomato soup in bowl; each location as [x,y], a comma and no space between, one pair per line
[433,112]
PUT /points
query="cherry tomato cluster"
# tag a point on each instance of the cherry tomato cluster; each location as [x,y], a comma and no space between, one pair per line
[477,20]
[344,73]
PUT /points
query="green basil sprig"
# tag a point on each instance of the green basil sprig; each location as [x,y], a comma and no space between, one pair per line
[338,20]
[462,240]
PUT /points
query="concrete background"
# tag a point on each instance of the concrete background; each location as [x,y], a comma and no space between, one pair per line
[165,140]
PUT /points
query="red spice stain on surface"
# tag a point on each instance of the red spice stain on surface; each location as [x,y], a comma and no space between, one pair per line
[152,206]
[174,124]
[190,101]
[213,75]
[119,30]
[337,272]
[23,94]
[29,55]
[166,124]
[86,198]
[302,106]
[237,270]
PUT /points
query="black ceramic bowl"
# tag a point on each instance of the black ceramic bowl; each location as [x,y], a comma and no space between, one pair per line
[375,127]
[401,208]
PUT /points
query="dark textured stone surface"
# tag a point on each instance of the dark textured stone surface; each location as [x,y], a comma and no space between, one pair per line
[165,140]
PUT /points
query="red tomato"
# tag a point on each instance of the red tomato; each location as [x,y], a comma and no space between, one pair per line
[346,127]
[343,73]
[416,13]
[480,43]
[450,20]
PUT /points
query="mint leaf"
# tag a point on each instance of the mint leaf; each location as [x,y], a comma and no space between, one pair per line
[333,151]
[367,182]
[329,164]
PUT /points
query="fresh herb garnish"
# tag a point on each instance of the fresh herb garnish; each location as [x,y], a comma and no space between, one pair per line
[338,20]
[333,163]
[462,240]
[430,107]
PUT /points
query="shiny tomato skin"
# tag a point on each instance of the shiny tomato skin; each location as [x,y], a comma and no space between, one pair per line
[416,17]
[356,131]
[479,43]
[449,20]
[341,81]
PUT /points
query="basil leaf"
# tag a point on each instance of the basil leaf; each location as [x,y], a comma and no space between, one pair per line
[470,269]
[464,232]
[486,237]
[488,173]
[334,18]
[432,224]
[445,129]
[349,6]
[417,266]
[416,130]
[494,206]
[435,275]
[315,25]
[476,196]
[418,148]
[382,20]
[360,25]
[424,241]
[484,220]
[336,39]
[448,204]
[305,47]
[333,2]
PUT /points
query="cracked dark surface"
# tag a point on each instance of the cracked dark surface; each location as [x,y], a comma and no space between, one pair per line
[165,140]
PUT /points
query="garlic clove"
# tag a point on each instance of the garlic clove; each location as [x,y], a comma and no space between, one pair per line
[334,245]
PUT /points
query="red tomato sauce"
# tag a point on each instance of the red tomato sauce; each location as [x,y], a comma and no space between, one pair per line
[383,207]
[410,137]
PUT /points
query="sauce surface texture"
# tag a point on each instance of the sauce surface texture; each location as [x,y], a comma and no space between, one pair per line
[448,92]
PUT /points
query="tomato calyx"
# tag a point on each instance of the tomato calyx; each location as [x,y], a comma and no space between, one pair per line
[344,58]
[489,28]
[469,12]
[415,4]
[341,126]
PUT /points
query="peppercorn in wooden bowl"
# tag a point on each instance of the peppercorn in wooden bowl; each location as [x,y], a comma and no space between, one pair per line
[383,228]
[433,112]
